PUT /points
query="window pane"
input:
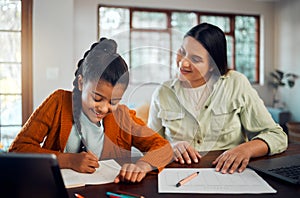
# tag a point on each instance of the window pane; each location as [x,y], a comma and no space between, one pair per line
[245,33]
[221,22]
[10,71]
[10,50]
[10,78]
[11,110]
[114,23]
[7,135]
[149,20]
[183,21]
[230,51]
[113,20]
[150,58]
[10,12]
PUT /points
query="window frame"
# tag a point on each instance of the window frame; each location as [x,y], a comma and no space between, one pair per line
[26,59]
[25,72]
[168,12]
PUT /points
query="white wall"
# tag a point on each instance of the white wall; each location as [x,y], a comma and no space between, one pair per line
[287,53]
[53,47]
[64,30]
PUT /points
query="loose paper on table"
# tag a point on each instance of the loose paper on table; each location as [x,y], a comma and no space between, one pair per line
[210,181]
[106,173]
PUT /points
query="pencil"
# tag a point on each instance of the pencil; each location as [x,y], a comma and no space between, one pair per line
[188,178]
[117,195]
[83,145]
[78,195]
[130,194]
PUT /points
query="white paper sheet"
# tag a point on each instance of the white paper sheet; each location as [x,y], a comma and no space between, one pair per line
[106,173]
[210,181]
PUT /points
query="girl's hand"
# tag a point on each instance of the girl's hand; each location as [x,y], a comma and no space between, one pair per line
[133,173]
[84,162]
[184,153]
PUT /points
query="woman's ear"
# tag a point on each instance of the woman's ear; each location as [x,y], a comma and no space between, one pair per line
[80,82]
[212,64]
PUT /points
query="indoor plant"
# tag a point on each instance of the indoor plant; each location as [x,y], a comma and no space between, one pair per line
[280,79]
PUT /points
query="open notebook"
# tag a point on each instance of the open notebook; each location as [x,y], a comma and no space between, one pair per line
[286,168]
[24,175]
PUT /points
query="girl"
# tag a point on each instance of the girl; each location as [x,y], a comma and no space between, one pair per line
[88,124]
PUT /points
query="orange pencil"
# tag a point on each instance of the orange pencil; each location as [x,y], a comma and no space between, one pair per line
[78,195]
[188,178]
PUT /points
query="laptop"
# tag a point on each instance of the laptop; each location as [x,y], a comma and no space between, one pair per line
[24,175]
[286,168]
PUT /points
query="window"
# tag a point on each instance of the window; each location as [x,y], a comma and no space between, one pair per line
[15,67]
[149,38]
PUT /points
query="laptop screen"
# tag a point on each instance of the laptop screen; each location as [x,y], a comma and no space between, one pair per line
[31,175]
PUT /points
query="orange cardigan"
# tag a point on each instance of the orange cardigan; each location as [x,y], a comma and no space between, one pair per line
[48,128]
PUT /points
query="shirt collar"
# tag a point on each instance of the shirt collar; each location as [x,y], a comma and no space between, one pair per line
[175,84]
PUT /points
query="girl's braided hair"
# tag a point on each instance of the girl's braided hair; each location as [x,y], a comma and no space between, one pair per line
[100,62]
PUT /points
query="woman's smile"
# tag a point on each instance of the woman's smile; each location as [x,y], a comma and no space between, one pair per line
[185,71]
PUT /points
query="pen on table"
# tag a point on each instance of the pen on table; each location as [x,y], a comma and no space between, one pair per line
[78,195]
[188,178]
[130,194]
[117,195]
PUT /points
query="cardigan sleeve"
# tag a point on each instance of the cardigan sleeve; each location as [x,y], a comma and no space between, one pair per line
[157,150]
[124,130]
[41,127]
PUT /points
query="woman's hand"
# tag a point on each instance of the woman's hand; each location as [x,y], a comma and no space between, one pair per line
[84,162]
[237,159]
[185,153]
[232,160]
[132,173]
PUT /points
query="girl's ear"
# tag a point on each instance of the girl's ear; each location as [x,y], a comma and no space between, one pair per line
[80,82]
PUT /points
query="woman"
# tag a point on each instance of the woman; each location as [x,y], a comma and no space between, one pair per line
[88,124]
[209,107]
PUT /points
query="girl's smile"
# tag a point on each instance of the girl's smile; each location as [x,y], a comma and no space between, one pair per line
[98,115]
[99,98]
